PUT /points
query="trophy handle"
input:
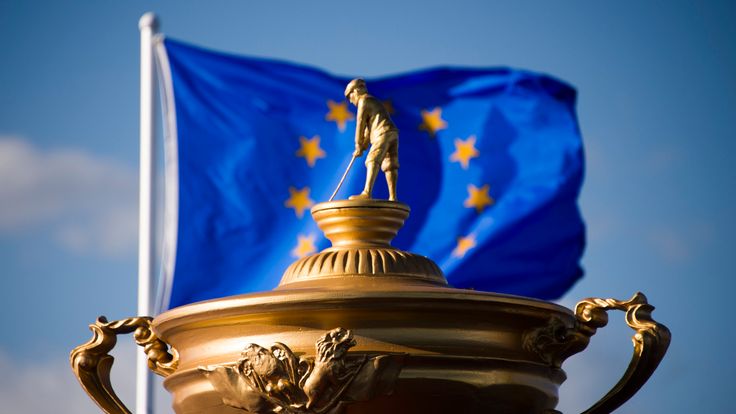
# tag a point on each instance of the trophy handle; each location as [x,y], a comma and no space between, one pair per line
[650,344]
[92,363]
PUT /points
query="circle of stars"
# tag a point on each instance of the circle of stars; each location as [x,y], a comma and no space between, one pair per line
[310,150]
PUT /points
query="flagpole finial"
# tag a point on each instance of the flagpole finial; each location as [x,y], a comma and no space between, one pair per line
[148,20]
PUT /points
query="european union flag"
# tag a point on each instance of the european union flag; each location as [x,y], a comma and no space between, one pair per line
[491,165]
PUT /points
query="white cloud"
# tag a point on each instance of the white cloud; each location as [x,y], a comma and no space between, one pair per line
[88,203]
[49,386]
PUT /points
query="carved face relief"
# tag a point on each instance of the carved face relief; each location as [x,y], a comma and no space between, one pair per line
[261,361]
[277,381]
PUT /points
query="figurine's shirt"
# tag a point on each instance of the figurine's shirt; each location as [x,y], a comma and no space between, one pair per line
[375,118]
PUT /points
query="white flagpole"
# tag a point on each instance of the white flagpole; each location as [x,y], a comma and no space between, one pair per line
[148,25]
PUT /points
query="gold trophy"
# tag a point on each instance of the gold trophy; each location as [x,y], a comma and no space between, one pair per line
[362,327]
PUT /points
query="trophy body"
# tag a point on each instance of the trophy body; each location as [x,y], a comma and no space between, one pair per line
[362,327]
[445,350]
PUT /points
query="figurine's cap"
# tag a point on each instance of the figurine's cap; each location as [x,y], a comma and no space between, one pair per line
[354,84]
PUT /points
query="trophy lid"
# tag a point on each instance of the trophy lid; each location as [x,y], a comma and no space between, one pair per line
[361,232]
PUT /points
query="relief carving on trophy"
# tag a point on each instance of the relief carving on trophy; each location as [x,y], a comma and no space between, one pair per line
[275,380]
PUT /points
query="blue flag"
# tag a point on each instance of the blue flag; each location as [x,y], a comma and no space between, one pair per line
[491,166]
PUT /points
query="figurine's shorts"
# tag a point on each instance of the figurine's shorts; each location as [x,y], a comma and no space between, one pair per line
[385,149]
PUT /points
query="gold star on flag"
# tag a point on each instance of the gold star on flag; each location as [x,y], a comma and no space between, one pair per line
[432,121]
[339,113]
[464,151]
[463,245]
[304,246]
[310,150]
[299,200]
[478,198]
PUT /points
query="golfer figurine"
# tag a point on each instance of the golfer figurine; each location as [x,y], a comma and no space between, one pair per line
[373,126]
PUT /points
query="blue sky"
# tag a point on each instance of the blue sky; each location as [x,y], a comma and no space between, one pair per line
[657,108]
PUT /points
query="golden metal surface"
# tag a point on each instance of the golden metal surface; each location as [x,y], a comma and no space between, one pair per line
[361,232]
[463,348]
[275,380]
[557,341]
[651,340]
[92,363]
[465,351]
[374,128]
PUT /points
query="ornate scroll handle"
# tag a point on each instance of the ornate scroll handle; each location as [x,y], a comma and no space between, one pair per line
[92,363]
[650,344]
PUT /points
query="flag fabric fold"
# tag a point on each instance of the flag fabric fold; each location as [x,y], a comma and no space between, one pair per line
[491,165]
